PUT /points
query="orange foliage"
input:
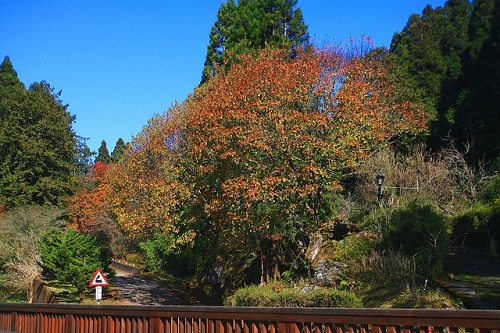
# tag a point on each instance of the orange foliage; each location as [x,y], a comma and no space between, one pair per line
[148,193]
[252,152]
[89,208]
[268,138]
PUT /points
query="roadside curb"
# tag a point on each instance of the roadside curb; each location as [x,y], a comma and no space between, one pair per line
[125,268]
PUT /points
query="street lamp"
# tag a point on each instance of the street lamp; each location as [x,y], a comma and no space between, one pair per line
[380,181]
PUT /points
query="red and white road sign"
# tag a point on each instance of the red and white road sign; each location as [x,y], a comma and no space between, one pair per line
[99,280]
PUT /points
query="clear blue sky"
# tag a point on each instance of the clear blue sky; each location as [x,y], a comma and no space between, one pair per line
[120,62]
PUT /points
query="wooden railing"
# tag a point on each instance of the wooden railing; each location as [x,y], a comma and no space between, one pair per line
[60,318]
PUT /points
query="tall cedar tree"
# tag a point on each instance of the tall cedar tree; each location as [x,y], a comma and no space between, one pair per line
[118,151]
[103,154]
[38,147]
[252,25]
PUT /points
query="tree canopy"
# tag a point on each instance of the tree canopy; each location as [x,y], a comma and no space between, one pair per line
[38,146]
[445,52]
[249,159]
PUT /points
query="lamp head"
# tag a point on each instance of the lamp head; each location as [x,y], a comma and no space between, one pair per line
[380,178]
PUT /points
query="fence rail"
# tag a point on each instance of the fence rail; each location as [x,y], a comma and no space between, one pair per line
[61,318]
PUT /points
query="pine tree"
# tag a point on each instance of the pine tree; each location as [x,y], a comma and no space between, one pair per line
[432,47]
[119,150]
[476,115]
[103,154]
[251,25]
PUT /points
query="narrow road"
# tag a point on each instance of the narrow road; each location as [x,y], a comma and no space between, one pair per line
[481,287]
[138,291]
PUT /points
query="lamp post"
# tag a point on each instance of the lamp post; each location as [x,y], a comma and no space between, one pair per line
[380,181]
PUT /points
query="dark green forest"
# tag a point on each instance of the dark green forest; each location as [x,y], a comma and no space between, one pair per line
[279,188]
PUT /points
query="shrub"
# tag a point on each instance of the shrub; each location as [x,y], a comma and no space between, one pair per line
[354,246]
[420,231]
[20,232]
[331,298]
[477,229]
[157,252]
[307,296]
[385,266]
[73,258]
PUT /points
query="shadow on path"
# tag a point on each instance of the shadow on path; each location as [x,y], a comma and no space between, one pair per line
[138,291]
[476,280]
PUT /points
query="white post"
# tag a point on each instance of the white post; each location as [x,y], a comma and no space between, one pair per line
[98,294]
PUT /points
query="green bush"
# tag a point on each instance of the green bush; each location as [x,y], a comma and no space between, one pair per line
[477,229]
[331,298]
[354,246]
[73,258]
[420,231]
[157,252]
[307,296]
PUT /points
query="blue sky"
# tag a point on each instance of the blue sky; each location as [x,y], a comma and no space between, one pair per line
[120,62]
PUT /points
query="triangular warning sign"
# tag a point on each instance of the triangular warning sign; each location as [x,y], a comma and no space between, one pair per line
[98,280]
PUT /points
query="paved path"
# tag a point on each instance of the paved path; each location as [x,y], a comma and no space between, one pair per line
[484,279]
[137,291]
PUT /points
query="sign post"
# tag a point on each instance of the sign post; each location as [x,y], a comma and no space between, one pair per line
[98,281]
[98,294]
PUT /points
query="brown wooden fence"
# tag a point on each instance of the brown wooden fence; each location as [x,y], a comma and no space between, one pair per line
[55,318]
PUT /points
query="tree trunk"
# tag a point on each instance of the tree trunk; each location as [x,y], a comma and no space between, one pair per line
[263,272]
[82,295]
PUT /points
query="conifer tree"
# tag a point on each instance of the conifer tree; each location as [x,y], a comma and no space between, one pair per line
[119,150]
[449,53]
[38,147]
[103,153]
[250,25]
[73,258]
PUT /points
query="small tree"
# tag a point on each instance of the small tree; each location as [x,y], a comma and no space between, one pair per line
[73,257]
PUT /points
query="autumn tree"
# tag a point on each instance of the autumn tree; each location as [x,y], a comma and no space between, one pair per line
[240,173]
[265,142]
[147,192]
[140,197]
[89,208]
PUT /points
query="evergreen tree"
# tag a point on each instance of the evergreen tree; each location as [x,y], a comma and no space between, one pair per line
[250,25]
[450,54]
[417,49]
[83,159]
[476,119]
[37,143]
[103,154]
[73,257]
[119,150]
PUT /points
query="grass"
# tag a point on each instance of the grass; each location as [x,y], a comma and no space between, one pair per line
[66,293]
